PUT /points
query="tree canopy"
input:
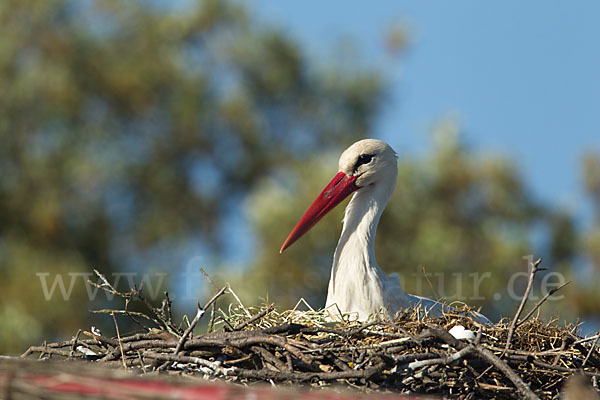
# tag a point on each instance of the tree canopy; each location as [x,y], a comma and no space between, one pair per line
[129,131]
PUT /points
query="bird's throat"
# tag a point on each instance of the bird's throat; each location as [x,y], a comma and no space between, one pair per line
[356,279]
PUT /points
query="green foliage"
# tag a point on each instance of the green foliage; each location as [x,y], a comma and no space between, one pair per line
[127,129]
[585,297]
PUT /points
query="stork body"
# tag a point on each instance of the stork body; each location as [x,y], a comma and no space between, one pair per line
[357,285]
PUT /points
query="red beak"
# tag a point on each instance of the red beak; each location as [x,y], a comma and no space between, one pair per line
[338,189]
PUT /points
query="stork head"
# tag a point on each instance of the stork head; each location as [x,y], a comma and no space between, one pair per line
[368,161]
[365,164]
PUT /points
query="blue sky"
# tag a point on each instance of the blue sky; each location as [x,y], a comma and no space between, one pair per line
[522,78]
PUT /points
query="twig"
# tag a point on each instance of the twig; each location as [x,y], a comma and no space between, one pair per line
[566,340]
[506,370]
[442,360]
[134,319]
[199,313]
[266,354]
[43,350]
[587,339]
[119,339]
[513,325]
[238,360]
[488,386]
[235,296]
[215,366]
[253,319]
[523,358]
[435,295]
[212,308]
[211,321]
[168,303]
[196,319]
[163,322]
[128,313]
[74,345]
[539,303]
[208,278]
[141,361]
[141,344]
[592,348]
[288,359]
[106,285]
[134,293]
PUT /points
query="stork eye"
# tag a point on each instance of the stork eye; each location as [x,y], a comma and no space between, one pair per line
[364,159]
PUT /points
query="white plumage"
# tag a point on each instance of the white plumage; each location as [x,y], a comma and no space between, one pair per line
[357,284]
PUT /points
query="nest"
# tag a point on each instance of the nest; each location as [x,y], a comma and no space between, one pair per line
[411,353]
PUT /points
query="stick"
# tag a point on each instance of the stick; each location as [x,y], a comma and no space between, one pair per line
[199,313]
[134,293]
[196,319]
[208,278]
[523,358]
[141,344]
[587,339]
[442,360]
[506,370]
[288,359]
[141,361]
[215,366]
[74,346]
[539,303]
[212,308]
[513,325]
[46,350]
[592,347]
[239,301]
[119,339]
[266,354]
[253,319]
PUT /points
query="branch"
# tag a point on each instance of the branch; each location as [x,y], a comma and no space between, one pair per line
[119,339]
[442,360]
[506,370]
[539,303]
[255,318]
[196,319]
[513,325]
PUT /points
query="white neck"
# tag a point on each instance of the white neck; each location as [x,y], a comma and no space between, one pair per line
[357,283]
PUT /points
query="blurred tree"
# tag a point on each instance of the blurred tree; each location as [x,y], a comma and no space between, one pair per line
[586,296]
[128,128]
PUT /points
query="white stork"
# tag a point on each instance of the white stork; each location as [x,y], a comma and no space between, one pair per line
[357,285]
